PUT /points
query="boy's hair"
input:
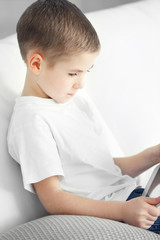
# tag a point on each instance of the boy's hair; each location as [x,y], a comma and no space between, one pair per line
[55,28]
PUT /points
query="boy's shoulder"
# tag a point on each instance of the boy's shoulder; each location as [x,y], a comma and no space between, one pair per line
[27,110]
[25,107]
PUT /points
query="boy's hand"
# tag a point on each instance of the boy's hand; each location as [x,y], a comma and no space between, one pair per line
[141,212]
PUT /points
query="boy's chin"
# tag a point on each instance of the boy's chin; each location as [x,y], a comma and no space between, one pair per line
[64,100]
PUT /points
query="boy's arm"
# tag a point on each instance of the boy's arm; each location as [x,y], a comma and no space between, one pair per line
[57,201]
[137,212]
[135,165]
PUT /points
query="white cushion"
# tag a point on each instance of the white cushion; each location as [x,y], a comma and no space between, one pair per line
[124,84]
[125,81]
[16,204]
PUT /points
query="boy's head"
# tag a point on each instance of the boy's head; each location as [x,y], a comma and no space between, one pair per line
[55,28]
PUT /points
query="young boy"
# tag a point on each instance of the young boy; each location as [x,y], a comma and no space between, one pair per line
[57,135]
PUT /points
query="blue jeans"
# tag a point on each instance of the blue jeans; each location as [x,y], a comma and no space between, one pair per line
[138,193]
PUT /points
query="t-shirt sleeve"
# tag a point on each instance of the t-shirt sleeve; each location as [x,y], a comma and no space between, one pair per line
[33,146]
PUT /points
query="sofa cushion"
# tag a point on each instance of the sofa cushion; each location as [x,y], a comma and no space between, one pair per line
[16,205]
[125,80]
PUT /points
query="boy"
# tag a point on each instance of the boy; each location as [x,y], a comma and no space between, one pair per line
[58,137]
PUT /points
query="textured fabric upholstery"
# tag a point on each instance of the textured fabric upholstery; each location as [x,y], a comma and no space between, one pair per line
[76,227]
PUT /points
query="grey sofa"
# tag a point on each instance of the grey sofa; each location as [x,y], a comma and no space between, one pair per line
[76,227]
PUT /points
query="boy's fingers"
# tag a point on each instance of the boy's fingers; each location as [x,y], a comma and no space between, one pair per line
[153,210]
[153,201]
[151,218]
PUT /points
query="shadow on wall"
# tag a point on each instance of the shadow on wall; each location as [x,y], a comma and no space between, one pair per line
[88,6]
[10,11]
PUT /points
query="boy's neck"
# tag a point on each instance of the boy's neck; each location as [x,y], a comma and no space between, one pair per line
[31,87]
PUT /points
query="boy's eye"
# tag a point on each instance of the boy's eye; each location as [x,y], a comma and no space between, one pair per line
[72,74]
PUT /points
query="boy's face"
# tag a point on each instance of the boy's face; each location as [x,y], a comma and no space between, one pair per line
[65,78]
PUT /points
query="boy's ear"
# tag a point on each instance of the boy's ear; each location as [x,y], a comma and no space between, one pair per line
[35,63]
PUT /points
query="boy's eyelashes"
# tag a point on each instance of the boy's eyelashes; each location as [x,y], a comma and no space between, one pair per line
[75,74]
[72,74]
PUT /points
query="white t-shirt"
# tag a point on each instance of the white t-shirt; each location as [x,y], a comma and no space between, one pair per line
[69,140]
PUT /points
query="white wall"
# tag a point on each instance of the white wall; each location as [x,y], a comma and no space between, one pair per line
[11,10]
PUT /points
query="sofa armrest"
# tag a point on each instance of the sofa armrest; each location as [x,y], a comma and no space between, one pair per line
[73,227]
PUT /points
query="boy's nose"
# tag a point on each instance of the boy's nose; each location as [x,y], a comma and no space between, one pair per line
[79,84]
